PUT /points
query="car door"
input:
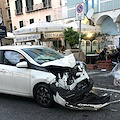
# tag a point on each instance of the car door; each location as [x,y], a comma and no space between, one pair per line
[21,76]
[15,80]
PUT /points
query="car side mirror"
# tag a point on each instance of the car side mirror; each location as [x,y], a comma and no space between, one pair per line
[22,64]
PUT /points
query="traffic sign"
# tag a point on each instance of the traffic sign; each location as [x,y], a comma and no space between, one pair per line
[80,11]
[79,8]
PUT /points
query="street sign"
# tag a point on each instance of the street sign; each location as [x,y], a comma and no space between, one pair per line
[3,32]
[80,11]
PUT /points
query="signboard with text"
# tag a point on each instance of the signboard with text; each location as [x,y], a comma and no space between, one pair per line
[29,37]
[54,35]
[80,11]
[3,32]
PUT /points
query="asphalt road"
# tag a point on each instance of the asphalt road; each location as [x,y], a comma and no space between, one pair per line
[20,108]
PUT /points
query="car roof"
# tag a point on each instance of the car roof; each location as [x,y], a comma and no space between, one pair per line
[18,47]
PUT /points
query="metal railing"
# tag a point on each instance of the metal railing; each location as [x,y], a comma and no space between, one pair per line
[106,5]
[36,7]
[8,18]
[7,5]
[19,11]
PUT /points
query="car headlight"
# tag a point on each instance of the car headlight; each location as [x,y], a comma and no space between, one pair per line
[82,64]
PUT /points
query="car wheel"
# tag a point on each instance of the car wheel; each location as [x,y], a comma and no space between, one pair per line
[43,95]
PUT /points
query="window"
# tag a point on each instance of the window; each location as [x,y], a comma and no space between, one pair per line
[12,57]
[21,23]
[9,14]
[31,21]
[48,18]
[8,2]
[29,5]
[87,43]
[46,3]
[11,27]
[95,43]
[18,4]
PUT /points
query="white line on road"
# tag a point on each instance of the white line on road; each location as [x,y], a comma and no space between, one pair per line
[90,73]
[105,89]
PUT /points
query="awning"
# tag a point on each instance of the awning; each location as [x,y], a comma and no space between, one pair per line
[84,27]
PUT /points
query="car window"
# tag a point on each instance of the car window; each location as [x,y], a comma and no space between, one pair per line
[42,55]
[12,57]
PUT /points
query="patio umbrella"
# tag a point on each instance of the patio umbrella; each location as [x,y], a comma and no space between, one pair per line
[84,27]
[10,35]
[40,27]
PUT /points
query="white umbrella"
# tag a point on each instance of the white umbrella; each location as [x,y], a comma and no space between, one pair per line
[84,27]
[10,35]
[39,27]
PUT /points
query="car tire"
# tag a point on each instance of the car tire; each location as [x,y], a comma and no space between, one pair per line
[43,95]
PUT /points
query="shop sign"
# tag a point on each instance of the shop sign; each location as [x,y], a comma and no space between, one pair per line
[21,38]
[3,32]
[54,35]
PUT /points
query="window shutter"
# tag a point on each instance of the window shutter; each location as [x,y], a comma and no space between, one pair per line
[21,3]
[26,3]
[16,5]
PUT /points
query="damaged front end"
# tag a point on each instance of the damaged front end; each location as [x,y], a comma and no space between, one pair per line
[72,88]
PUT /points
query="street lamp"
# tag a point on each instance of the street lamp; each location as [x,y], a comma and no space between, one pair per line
[89,35]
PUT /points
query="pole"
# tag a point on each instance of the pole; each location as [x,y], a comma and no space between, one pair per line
[79,38]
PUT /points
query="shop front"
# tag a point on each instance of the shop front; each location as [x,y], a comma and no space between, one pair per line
[41,33]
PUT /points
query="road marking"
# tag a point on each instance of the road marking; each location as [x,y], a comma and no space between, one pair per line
[90,73]
[105,75]
[105,89]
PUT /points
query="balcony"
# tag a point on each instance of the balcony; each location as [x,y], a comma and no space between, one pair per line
[19,12]
[108,5]
[8,18]
[29,9]
[7,5]
[36,7]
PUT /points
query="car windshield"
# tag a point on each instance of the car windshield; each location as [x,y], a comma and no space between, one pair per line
[42,55]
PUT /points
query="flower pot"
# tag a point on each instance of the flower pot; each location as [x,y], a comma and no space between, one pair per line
[91,66]
[107,66]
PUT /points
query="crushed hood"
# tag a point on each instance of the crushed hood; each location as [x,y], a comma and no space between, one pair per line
[67,61]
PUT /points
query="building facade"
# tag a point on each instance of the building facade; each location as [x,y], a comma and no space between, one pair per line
[5,14]
[24,12]
[19,13]
[108,19]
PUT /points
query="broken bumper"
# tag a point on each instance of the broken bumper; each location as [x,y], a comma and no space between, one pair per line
[90,102]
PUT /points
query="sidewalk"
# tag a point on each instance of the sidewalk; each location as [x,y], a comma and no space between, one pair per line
[102,79]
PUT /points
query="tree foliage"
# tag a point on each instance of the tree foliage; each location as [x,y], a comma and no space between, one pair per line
[71,36]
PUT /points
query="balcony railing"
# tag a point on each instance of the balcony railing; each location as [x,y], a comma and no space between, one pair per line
[7,5]
[36,7]
[106,5]
[8,18]
[19,12]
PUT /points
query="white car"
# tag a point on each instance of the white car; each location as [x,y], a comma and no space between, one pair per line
[47,76]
